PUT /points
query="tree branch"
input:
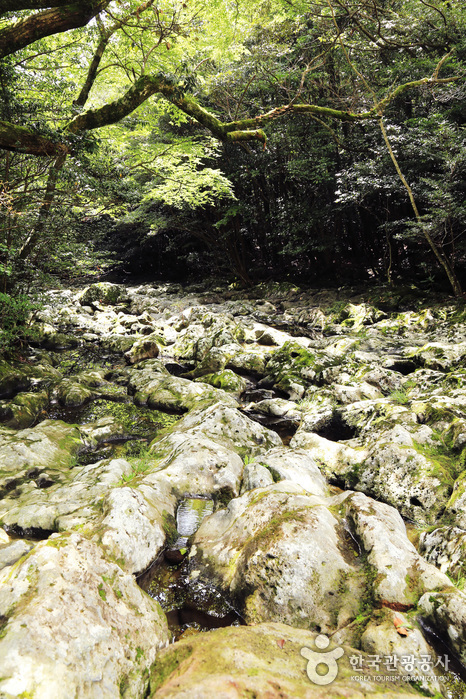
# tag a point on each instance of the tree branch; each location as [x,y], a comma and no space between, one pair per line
[17,138]
[17,5]
[54,21]
[105,35]
[22,140]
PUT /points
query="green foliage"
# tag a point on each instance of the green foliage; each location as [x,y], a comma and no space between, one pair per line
[459,580]
[102,592]
[140,464]
[322,202]
[16,313]
[400,397]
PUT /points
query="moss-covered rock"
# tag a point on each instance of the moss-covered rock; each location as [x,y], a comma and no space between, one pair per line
[445,547]
[145,348]
[277,552]
[12,379]
[440,355]
[408,475]
[73,394]
[165,392]
[293,367]
[24,409]
[261,661]
[355,316]
[446,611]
[105,293]
[227,380]
[224,424]
[78,622]
[381,637]
[399,574]
[51,445]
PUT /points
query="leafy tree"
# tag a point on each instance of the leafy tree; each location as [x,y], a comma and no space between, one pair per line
[336,62]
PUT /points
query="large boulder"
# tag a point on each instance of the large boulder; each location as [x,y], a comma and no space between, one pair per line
[50,446]
[264,661]
[277,552]
[75,625]
[145,348]
[228,427]
[58,501]
[165,392]
[103,293]
[193,463]
[12,380]
[23,410]
[446,612]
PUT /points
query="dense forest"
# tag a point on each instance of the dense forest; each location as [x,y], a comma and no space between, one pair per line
[319,141]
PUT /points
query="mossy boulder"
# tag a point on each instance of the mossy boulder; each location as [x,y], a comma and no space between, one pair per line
[227,380]
[165,392]
[51,445]
[255,475]
[440,355]
[292,368]
[145,348]
[58,501]
[381,637]
[73,394]
[193,463]
[12,551]
[265,660]
[446,611]
[405,474]
[13,379]
[117,343]
[132,529]
[445,547]
[59,341]
[24,409]
[215,360]
[456,506]
[277,552]
[355,316]
[297,466]
[225,424]
[397,572]
[104,293]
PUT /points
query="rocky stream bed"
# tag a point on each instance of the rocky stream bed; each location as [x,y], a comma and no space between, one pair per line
[201,489]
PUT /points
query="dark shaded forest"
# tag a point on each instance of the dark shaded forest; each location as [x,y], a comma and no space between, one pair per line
[317,142]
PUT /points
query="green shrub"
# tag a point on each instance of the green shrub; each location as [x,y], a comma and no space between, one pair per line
[16,313]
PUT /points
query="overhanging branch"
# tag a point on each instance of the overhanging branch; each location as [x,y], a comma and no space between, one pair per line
[18,5]
[21,139]
[59,19]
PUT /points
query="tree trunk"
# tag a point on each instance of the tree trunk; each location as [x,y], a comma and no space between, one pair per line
[34,236]
[442,259]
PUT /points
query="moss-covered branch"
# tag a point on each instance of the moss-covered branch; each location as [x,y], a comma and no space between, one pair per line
[105,36]
[17,5]
[26,31]
[383,104]
[240,130]
[23,140]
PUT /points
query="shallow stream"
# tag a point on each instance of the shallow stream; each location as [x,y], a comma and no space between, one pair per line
[191,606]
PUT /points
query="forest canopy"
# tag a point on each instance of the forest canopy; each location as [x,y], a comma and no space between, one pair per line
[304,139]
